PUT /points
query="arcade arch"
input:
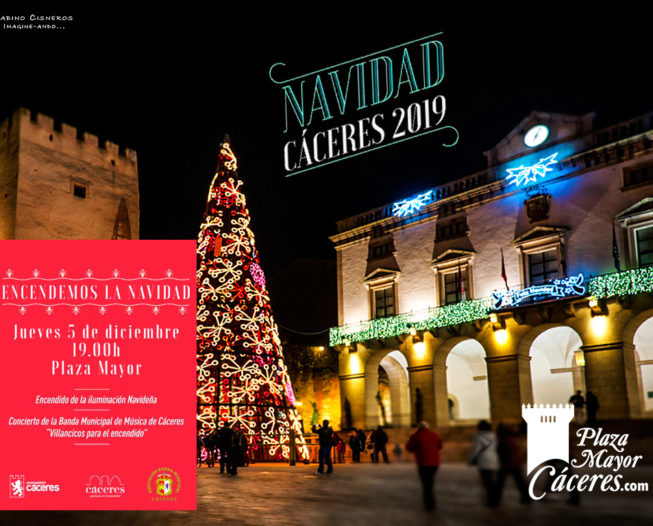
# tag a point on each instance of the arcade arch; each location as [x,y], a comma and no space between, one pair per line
[467,385]
[556,365]
[396,409]
[643,341]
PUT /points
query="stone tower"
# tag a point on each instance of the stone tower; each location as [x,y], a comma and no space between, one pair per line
[57,183]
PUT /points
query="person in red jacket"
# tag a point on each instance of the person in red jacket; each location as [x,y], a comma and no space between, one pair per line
[426,445]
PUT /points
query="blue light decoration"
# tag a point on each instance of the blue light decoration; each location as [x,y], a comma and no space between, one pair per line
[522,175]
[408,206]
[559,288]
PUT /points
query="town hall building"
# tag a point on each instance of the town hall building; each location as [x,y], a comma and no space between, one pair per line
[522,283]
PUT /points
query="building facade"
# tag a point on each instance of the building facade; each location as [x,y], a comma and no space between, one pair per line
[59,183]
[519,284]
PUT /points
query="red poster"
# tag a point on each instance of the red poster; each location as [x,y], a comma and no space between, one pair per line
[97,374]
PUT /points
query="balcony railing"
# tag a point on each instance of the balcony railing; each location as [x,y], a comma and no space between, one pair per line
[607,285]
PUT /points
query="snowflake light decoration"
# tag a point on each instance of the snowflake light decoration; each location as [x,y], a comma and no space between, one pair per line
[408,206]
[523,175]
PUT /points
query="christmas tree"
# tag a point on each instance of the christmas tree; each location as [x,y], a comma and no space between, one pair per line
[242,378]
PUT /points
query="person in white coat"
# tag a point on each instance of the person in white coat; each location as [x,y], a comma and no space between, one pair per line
[485,457]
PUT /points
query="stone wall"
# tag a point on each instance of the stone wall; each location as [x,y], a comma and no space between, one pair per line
[50,161]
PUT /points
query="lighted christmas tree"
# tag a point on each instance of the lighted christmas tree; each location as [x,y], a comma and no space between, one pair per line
[242,378]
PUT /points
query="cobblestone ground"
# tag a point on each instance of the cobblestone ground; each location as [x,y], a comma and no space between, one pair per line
[364,494]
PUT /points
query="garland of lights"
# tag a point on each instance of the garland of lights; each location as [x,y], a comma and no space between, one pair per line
[622,283]
[242,380]
[608,285]
[448,315]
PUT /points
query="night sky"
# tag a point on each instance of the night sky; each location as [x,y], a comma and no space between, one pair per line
[171,84]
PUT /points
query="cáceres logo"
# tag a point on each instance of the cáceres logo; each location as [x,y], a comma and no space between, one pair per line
[104,486]
[548,441]
[163,484]
[18,487]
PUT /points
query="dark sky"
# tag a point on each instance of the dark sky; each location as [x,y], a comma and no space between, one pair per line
[170,84]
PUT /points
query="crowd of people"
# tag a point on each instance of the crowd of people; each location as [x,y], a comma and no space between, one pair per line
[497,455]
[226,445]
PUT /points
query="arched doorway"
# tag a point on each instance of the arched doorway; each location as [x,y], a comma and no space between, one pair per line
[556,370]
[387,396]
[644,364]
[467,386]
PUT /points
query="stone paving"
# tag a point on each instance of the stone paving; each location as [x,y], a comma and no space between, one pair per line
[364,494]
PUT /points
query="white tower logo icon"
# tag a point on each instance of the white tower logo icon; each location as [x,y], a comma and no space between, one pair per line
[548,433]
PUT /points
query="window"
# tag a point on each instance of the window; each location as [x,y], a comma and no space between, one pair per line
[450,269]
[451,289]
[381,251]
[542,254]
[644,238]
[452,228]
[634,234]
[638,175]
[79,190]
[384,302]
[382,289]
[543,266]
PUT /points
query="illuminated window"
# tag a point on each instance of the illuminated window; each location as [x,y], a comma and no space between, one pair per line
[644,238]
[451,289]
[384,302]
[543,266]
[634,235]
[381,284]
[542,254]
[450,269]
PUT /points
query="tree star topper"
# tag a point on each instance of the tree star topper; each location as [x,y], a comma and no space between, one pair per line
[523,175]
[408,206]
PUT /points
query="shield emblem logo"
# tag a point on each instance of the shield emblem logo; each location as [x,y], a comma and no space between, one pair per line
[164,485]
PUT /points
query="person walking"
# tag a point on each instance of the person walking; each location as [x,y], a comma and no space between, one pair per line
[211,445]
[426,445]
[362,438]
[578,401]
[398,451]
[325,437]
[511,463]
[223,440]
[339,447]
[292,444]
[355,445]
[592,405]
[379,439]
[200,447]
[237,451]
[485,457]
